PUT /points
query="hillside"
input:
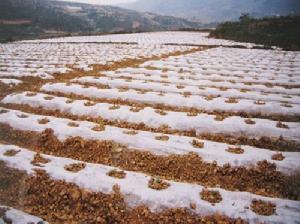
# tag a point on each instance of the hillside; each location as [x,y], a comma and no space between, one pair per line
[208,11]
[278,31]
[22,19]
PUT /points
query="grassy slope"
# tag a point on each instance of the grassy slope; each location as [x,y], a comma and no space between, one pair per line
[278,31]
[49,19]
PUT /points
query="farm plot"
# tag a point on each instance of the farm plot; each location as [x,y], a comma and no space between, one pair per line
[44,60]
[176,38]
[143,133]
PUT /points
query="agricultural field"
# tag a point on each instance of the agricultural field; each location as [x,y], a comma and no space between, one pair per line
[170,127]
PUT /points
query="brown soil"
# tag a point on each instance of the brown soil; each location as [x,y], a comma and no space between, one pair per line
[262,179]
[263,208]
[276,144]
[11,185]
[60,202]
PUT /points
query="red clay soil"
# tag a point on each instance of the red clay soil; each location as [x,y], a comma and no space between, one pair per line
[262,179]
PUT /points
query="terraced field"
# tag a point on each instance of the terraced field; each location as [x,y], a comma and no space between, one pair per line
[148,128]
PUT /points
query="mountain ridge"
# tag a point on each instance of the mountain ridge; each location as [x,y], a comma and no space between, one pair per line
[23,19]
[210,11]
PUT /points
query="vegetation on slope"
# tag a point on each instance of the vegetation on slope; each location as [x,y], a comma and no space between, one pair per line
[23,19]
[283,32]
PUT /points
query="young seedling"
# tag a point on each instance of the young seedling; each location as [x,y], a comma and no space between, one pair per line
[211,196]
[161,112]
[117,174]
[38,160]
[73,124]
[282,125]
[22,116]
[43,121]
[180,87]
[231,100]
[130,132]
[220,117]
[158,184]
[75,167]
[3,111]
[89,104]
[30,94]
[197,144]
[209,97]
[237,150]
[278,157]
[286,105]
[114,107]
[136,109]
[48,97]
[249,121]
[263,208]
[99,128]
[69,101]
[11,152]
[123,90]
[260,102]
[192,114]
[187,94]
[162,138]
